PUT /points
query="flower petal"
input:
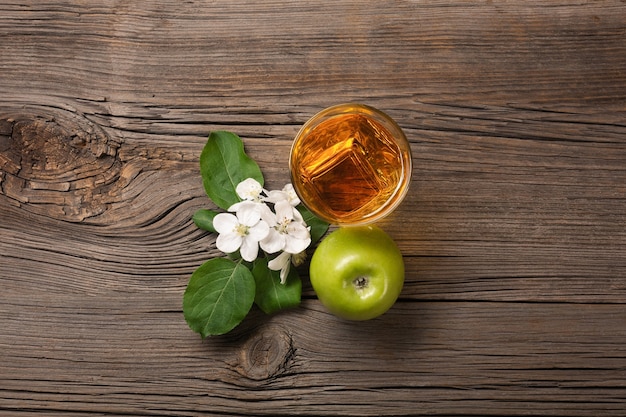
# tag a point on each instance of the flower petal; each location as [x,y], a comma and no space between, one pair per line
[298,231]
[279,262]
[282,262]
[274,196]
[225,223]
[249,249]
[295,245]
[236,206]
[286,194]
[228,242]
[292,197]
[297,217]
[259,231]
[267,215]
[284,273]
[284,211]
[273,242]
[248,213]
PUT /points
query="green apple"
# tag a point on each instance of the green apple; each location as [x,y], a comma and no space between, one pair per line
[357,272]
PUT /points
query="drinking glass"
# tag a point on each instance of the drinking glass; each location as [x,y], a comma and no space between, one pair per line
[350,164]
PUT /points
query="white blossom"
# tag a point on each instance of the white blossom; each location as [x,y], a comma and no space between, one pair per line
[242,231]
[249,190]
[288,231]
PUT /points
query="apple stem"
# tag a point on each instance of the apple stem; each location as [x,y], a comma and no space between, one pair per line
[360,282]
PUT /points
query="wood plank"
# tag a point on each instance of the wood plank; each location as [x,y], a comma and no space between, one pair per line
[551,358]
[555,54]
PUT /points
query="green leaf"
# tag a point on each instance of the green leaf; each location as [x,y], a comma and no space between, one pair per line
[272,296]
[318,226]
[203,219]
[223,165]
[219,295]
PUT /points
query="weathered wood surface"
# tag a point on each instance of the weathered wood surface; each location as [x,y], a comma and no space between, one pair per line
[514,231]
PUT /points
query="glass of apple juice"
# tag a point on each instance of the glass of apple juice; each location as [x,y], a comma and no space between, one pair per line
[350,164]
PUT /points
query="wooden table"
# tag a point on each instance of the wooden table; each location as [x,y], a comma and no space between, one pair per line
[514,230]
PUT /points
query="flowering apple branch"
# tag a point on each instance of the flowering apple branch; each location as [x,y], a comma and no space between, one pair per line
[263,232]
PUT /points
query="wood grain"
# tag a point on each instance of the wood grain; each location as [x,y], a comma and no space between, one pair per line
[514,231]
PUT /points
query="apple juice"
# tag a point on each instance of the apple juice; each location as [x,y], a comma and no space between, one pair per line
[351,167]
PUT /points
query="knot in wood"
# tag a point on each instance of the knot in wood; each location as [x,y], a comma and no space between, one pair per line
[266,355]
[58,164]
